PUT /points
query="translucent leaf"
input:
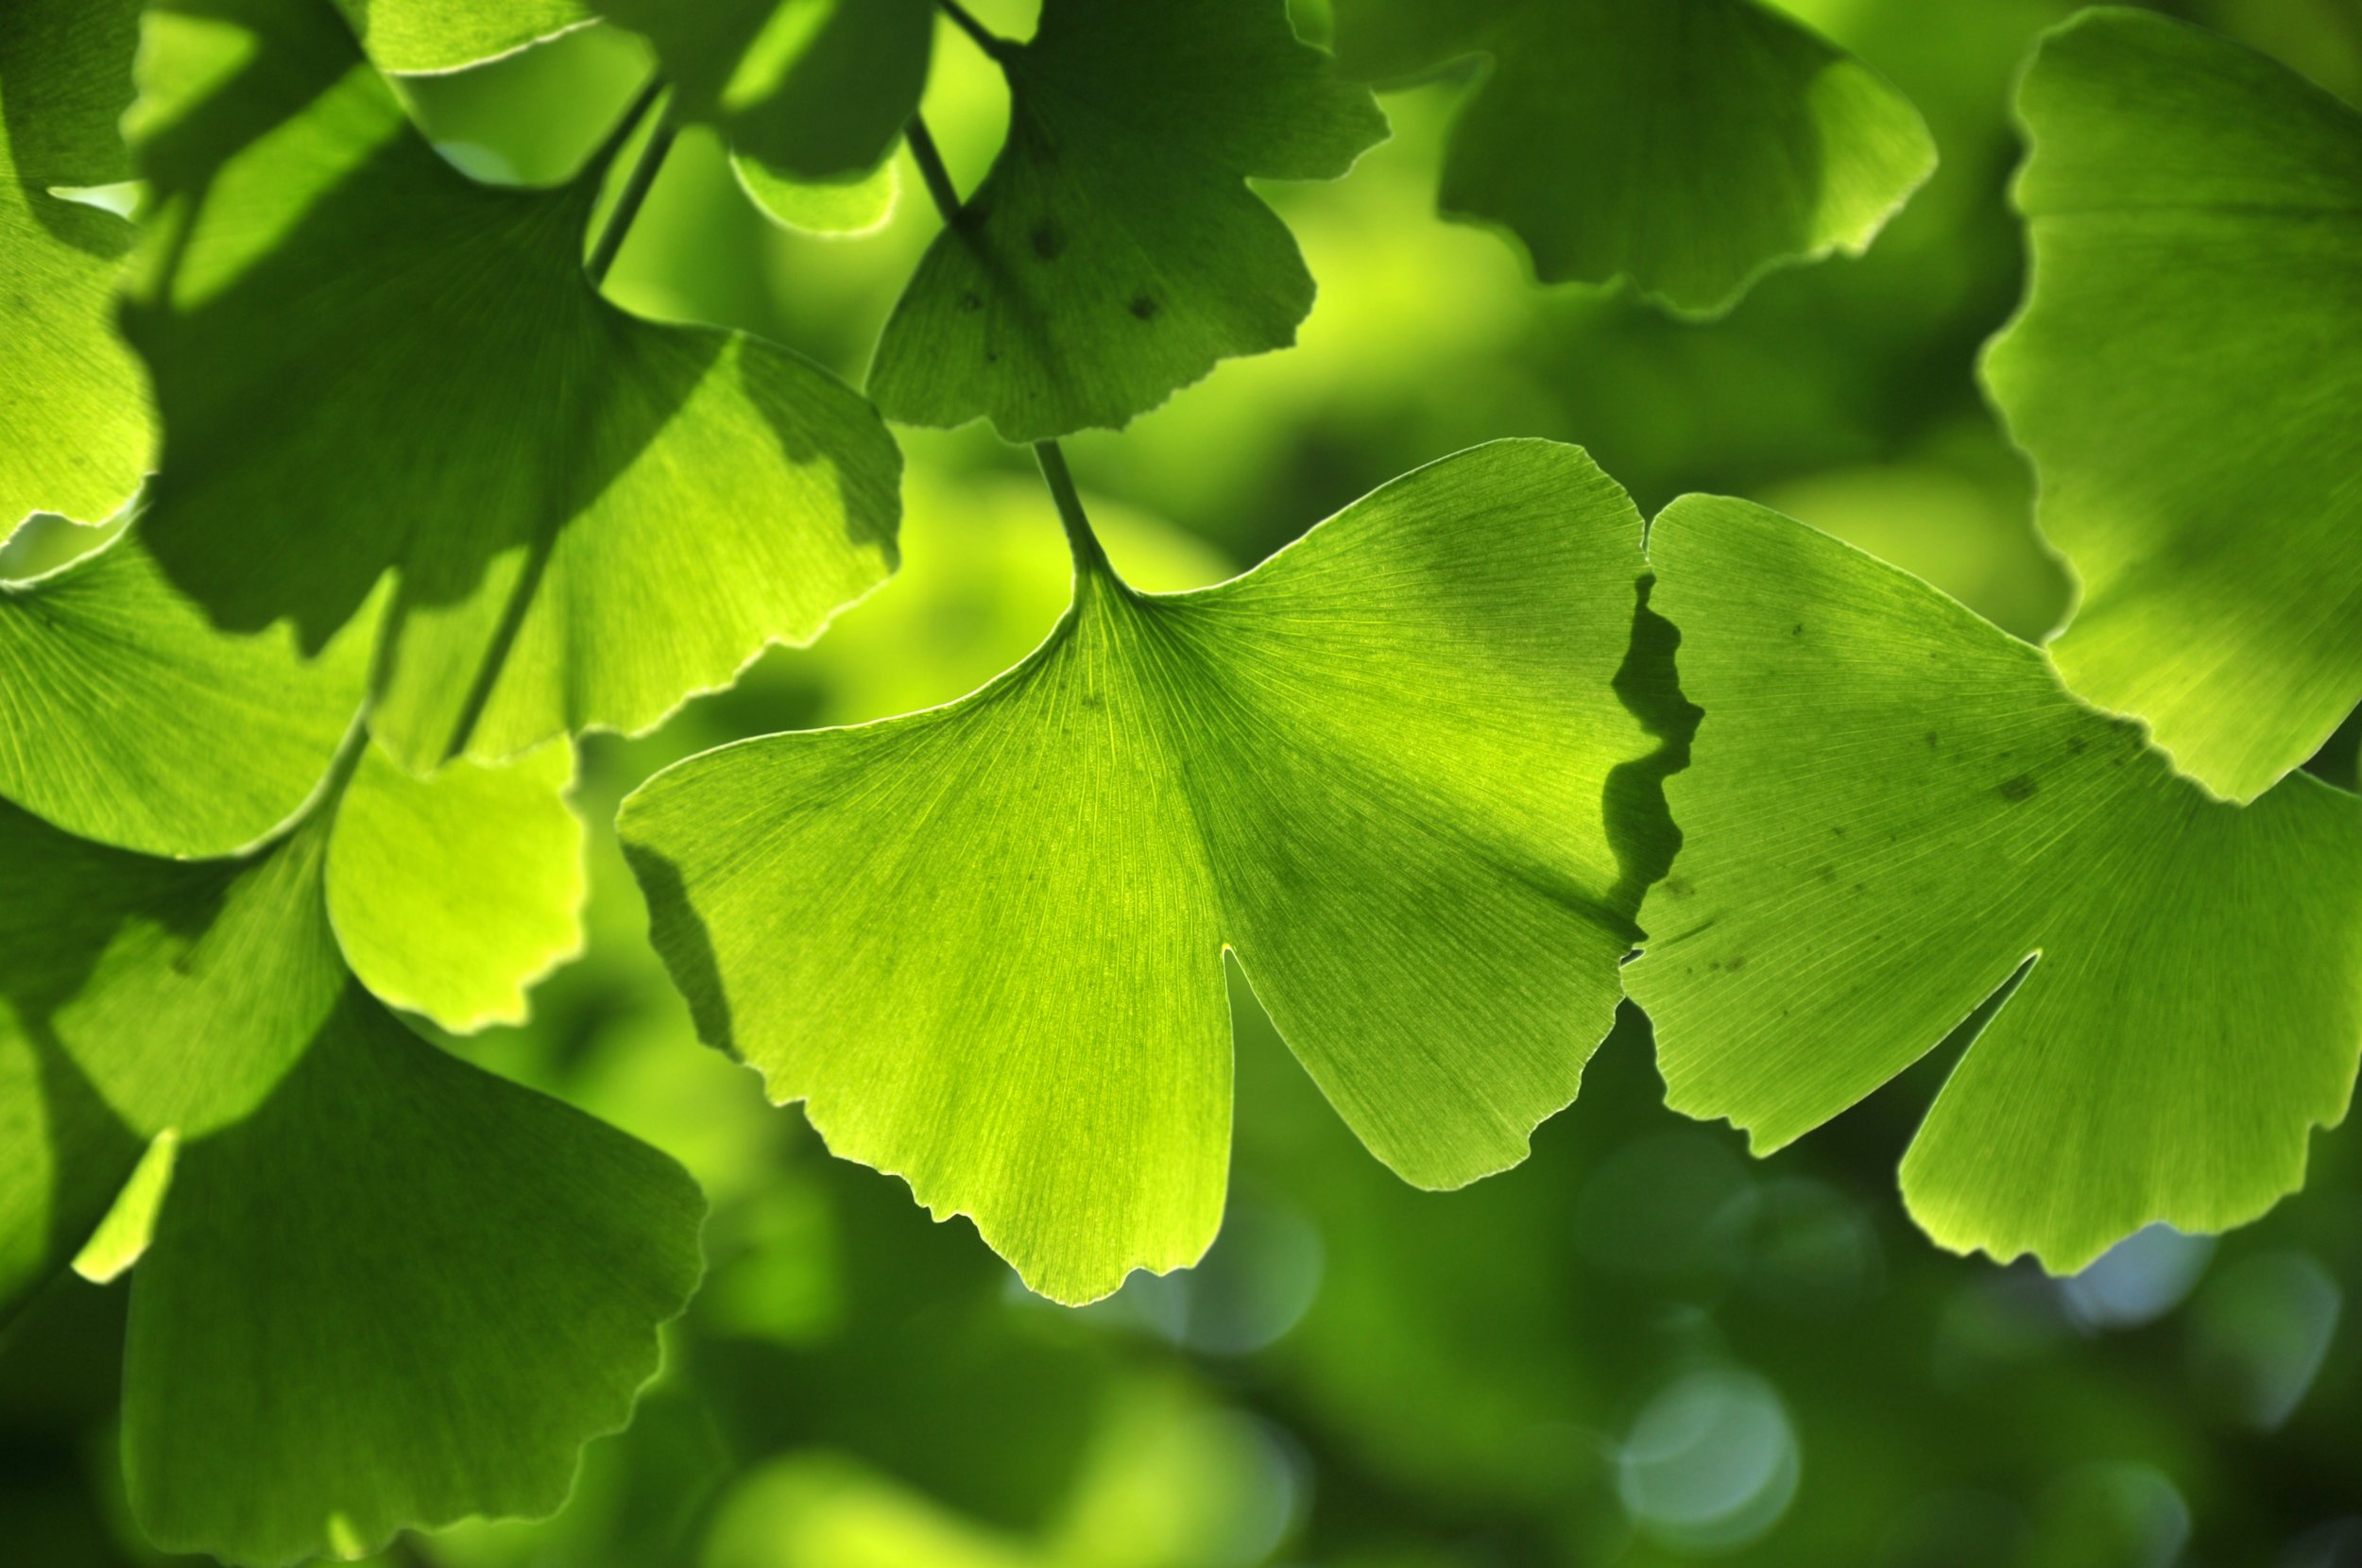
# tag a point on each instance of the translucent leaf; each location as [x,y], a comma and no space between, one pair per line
[138,994]
[73,420]
[118,705]
[451,895]
[1892,808]
[1115,253]
[444,35]
[812,94]
[367,363]
[845,207]
[984,942]
[1689,145]
[2184,375]
[384,1288]
[404,1291]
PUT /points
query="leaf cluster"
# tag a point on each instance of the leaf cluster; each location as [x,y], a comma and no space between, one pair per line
[1448,781]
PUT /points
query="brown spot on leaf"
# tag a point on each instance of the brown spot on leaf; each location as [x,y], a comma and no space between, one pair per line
[2014,789]
[1143,307]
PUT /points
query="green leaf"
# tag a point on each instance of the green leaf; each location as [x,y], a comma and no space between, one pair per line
[404,1292]
[1689,145]
[452,895]
[820,207]
[138,994]
[444,35]
[125,718]
[2185,376]
[812,94]
[1892,806]
[1115,253]
[982,942]
[74,420]
[342,327]
[384,1288]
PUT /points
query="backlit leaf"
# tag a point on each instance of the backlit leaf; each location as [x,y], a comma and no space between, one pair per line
[444,35]
[73,420]
[368,364]
[982,943]
[384,1288]
[1688,145]
[404,1291]
[2185,375]
[1115,253]
[452,894]
[125,718]
[1891,808]
[812,94]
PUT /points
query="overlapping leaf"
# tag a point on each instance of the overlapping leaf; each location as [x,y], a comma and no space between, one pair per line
[126,719]
[73,420]
[367,364]
[444,35]
[1891,808]
[984,942]
[2185,375]
[812,94]
[1688,145]
[1115,253]
[299,1380]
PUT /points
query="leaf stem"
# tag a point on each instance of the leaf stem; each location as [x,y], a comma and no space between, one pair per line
[983,37]
[637,184]
[930,169]
[1091,558]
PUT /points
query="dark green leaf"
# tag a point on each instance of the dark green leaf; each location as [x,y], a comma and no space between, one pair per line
[812,94]
[1689,145]
[1115,253]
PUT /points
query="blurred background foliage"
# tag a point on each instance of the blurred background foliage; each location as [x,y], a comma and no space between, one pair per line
[1641,1347]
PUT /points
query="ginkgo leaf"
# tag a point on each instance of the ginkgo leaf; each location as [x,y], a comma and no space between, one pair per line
[982,943]
[404,1291]
[317,278]
[1115,253]
[118,705]
[812,94]
[2185,376]
[138,994]
[445,35]
[822,206]
[74,420]
[1891,808]
[452,894]
[1688,145]
[417,1288]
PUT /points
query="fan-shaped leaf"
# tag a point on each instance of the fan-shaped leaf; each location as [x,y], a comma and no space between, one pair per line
[2185,375]
[1114,253]
[1689,145]
[318,278]
[1891,808]
[415,1289]
[402,1292]
[125,718]
[984,942]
